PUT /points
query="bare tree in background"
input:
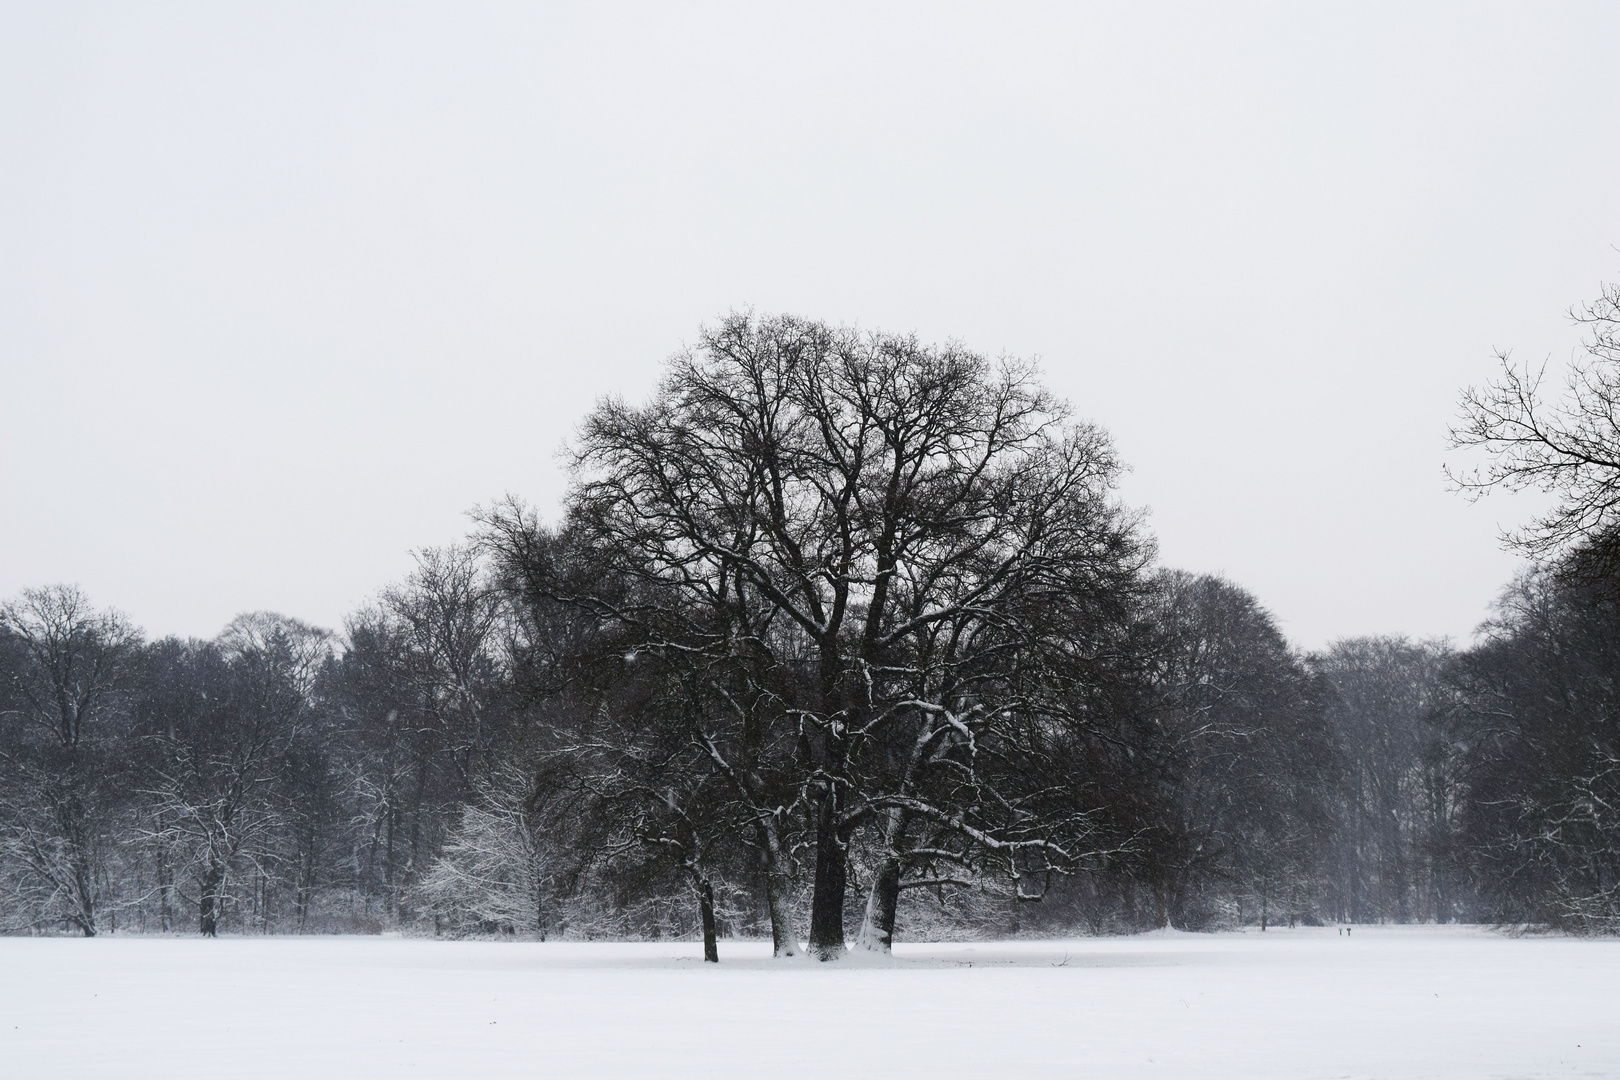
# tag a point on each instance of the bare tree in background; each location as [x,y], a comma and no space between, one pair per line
[1242,769]
[419,685]
[1532,716]
[446,616]
[1399,798]
[1532,705]
[496,868]
[69,666]
[216,798]
[1568,447]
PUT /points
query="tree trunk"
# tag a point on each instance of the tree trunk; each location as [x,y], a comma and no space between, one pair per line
[304,893]
[711,951]
[784,942]
[71,819]
[265,898]
[538,879]
[84,886]
[391,823]
[208,904]
[165,892]
[877,929]
[402,911]
[832,881]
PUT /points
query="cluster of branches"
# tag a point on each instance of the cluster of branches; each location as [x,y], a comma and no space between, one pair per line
[276,777]
[543,778]
[838,625]
[839,633]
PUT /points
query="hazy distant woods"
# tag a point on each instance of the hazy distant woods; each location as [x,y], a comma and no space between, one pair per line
[840,636]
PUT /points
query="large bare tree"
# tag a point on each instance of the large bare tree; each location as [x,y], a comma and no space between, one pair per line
[882,566]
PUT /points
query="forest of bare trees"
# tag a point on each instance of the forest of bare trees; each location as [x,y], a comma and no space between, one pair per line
[840,637]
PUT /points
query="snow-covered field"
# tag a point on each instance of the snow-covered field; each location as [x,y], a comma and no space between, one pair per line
[1386,1002]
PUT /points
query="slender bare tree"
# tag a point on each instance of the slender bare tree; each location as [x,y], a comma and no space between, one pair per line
[71,664]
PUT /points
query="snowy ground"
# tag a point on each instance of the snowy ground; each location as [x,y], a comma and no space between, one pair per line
[1387,1002]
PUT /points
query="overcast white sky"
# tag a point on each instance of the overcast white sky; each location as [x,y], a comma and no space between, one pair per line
[285,290]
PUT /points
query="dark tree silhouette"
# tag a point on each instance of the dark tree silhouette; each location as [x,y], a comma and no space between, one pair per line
[879,564]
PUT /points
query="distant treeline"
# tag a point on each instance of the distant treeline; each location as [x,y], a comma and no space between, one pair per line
[840,636]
